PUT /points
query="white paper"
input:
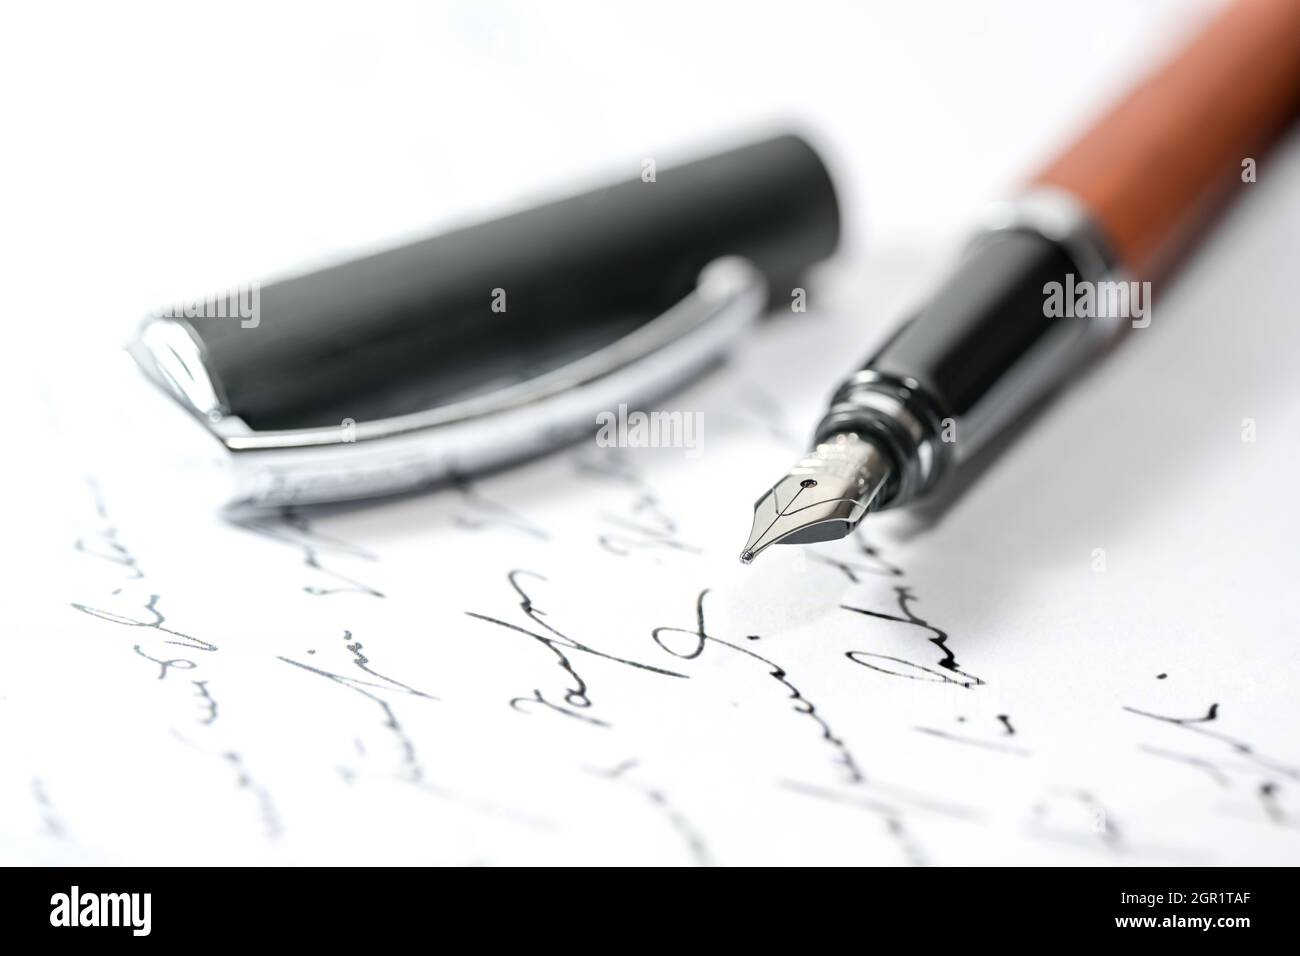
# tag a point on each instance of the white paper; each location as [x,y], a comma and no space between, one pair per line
[1089,658]
[288,743]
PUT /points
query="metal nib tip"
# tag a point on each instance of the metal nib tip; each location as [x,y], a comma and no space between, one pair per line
[822,498]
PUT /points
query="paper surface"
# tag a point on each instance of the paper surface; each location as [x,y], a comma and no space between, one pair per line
[1090,657]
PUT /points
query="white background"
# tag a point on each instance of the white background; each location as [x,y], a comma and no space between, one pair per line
[154,149]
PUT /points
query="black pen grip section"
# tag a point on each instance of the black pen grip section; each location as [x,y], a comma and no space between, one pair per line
[465,311]
[983,324]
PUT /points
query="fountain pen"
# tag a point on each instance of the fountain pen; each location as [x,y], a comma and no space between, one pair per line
[1119,205]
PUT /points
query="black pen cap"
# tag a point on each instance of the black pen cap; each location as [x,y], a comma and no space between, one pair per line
[459,313]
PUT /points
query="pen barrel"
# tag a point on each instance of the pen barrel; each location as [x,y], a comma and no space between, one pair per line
[1153,167]
[1131,193]
[495,301]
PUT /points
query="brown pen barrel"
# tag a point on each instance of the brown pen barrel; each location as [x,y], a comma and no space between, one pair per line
[1160,162]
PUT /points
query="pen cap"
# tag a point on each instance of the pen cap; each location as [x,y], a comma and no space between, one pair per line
[408,328]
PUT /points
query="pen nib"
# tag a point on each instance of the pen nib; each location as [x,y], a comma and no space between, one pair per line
[822,498]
